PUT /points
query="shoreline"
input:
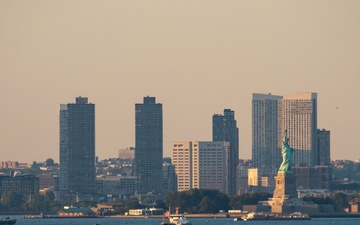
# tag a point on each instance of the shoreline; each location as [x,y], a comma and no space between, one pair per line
[218,215]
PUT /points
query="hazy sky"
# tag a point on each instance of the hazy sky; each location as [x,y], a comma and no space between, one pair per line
[195,57]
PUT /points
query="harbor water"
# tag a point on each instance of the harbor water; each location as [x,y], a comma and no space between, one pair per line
[195,221]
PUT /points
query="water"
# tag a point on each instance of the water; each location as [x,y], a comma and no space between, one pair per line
[195,221]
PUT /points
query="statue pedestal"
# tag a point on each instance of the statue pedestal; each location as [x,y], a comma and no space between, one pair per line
[285,191]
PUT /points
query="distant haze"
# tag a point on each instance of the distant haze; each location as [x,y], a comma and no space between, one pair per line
[195,57]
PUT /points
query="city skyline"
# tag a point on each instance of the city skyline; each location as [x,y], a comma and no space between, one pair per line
[196,58]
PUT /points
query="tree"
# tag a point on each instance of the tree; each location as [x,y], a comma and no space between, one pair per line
[49,162]
[160,204]
[12,201]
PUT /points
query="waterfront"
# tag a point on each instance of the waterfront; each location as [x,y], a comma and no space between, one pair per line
[195,221]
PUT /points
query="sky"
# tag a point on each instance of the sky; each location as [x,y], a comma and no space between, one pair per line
[196,57]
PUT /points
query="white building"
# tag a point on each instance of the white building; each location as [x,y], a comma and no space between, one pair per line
[298,115]
[200,164]
[265,152]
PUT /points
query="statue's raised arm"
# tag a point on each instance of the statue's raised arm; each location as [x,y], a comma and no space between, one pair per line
[286,153]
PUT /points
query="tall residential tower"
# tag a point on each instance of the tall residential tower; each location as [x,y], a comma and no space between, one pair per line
[225,129]
[149,146]
[77,150]
[265,153]
[298,115]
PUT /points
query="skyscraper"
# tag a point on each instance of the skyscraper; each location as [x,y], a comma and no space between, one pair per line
[225,129]
[323,141]
[149,146]
[77,149]
[265,152]
[298,115]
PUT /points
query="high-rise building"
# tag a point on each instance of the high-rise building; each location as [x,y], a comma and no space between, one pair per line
[200,164]
[170,178]
[265,152]
[209,165]
[149,146]
[298,115]
[182,160]
[77,149]
[323,142]
[224,129]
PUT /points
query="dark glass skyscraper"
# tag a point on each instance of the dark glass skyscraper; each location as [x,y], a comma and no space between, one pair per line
[149,146]
[225,129]
[77,149]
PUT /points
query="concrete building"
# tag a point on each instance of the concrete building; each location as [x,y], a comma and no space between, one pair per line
[225,129]
[318,177]
[298,115]
[46,181]
[9,165]
[242,179]
[149,146]
[77,150]
[209,165]
[258,180]
[323,143]
[265,152]
[170,178]
[200,164]
[116,185]
[127,153]
[27,185]
[182,160]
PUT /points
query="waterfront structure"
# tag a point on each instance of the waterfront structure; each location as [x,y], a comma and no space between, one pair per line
[297,114]
[265,152]
[200,164]
[225,129]
[77,150]
[323,143]
[148,146]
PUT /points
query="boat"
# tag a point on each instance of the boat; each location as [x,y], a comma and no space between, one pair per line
[262,216]
[175,219]
[7,220]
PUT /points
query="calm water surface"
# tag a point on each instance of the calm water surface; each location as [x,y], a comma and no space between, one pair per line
[195,221]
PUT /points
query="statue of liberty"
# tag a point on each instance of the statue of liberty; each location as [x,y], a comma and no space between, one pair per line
[286,152]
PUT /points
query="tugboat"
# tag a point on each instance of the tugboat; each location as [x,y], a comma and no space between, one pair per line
[7,220]
[175,219]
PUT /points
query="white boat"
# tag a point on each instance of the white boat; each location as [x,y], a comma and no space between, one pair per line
[177,219]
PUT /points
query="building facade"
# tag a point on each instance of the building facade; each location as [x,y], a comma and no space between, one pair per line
[77,149]
[170,178]
[265,152]
[201,164]
[127,153]
[225,129]
[27,185]
[323,142]
[318,177]
[148,146]
[116,185]
[298,115]
[182,160]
